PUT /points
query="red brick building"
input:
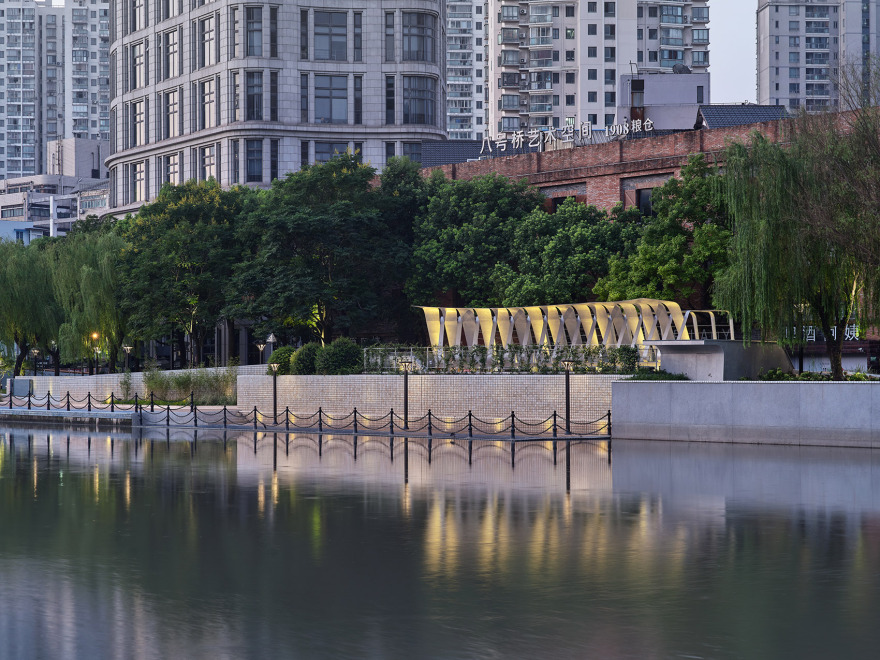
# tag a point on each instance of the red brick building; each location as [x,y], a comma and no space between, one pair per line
[623,171]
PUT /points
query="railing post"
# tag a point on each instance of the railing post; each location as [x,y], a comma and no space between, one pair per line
[391,425]
[470,424]
[89,401]
[255,418]
[512,424]
[355,418]
[152,402]
[48,401]
[135,402]
[320,420]
[168,414]
[224,415]
[192,401]
[29,400]
[287,418]
[195,414]
[9,389]
[430,430]
[112,403]
[609,423]
[68,400]
[554,424]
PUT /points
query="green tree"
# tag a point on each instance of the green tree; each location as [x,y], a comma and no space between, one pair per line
[559,257]
[319,251]
[30,315]
[466,228]
[86,281]
[682,249]
[782,272]
[176,270]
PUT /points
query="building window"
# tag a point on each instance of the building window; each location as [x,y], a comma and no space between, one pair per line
[569,56]
[324,151]
[254,155]
[592,74]
[592,97]
[207,157]
[331,36]
[170,113]
[569,33]
[331,99]
[610,99]
[610,76]
[303,154]
[610,9]
[413,151]
[569,10]
[234,37]
[138,57]
[273,32]
[304,34]
[569,78]
[207,52]
[358,100]
[592,51]
[591,7]
[170,55]
[700,94]
[273,96]
[358,36]
[389,150]
[206,112]
[254,26]
[137,186]
[171,172]
[234,156]
[609,120]
[169,9]
[304,98]
[254,95]
[389,37]
[138,123]
[389,100]
[610,54]
[419,100]
[569,99]
[235,96]
[273,159]
[419,37]
[138,15]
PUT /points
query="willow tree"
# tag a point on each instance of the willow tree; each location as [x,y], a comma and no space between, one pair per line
[86,281]
[29,312]
[782,273]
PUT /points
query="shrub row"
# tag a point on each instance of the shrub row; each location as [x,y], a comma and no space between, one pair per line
[340,357]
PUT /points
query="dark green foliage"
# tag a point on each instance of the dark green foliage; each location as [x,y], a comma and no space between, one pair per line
[282,357]
[681,250]
[465,229]
[558,257]
[651,374]
[175,274]
[341,357]
[318,251]
[302,363]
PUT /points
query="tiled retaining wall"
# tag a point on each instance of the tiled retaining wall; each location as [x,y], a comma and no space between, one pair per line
[102,385]
[533,397]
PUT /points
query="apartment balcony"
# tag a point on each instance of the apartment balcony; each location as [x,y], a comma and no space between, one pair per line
[541,108]
[672,19]
[540,42]
[672,42]
[540,19]
[538,87]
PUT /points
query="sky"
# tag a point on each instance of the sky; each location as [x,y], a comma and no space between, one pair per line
[732,50]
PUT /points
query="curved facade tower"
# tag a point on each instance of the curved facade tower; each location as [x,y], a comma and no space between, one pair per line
[246,92]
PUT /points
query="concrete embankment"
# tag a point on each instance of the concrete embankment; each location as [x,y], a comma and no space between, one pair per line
[788,412]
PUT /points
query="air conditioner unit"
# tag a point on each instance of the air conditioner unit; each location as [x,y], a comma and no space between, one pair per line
[522,11]
[522,36]
[522,60]
[523,102]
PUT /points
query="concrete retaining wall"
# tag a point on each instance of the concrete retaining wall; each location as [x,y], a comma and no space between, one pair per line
[800,413]
[533,397]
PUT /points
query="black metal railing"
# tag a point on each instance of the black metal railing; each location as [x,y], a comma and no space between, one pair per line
[187,413]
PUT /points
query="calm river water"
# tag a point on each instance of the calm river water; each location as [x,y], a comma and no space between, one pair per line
[244,547]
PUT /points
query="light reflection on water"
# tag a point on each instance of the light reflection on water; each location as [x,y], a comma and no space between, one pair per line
[251,545]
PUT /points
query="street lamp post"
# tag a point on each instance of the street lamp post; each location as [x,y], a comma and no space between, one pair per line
[274,366]
[568,364]
[95,337]
[260,347]
[405,364]
[271,341]
[127,350]
[35,352]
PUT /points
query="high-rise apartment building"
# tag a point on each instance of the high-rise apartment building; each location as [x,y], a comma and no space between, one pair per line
[245,93]
[556,63]
[54,79]
[465,69]
[803,45]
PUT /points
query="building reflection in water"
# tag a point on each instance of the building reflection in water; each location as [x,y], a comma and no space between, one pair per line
[286,540]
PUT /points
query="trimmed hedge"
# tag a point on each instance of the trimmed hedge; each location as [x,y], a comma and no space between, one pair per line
[302,363]
[340,357]
[282,357]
